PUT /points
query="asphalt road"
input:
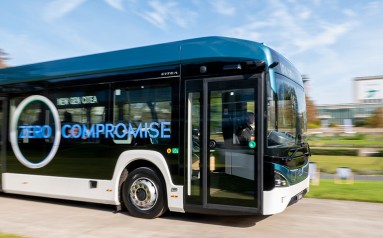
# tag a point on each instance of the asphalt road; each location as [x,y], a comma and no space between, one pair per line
[37,217]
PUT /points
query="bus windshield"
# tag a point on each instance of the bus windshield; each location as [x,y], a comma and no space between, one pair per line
[286,114]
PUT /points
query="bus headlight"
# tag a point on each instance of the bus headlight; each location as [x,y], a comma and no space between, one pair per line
[280,180]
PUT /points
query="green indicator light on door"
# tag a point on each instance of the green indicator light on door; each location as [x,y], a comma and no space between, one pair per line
[175,151]
[252,144]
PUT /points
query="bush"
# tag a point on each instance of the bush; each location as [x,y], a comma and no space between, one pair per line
[379,154]
[353,137]
[360,123]
[332,124]
[314,125]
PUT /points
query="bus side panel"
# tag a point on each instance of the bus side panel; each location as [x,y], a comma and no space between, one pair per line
[82,151]
[90,190]
[60,187]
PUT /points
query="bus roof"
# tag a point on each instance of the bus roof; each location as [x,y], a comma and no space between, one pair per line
[178,52]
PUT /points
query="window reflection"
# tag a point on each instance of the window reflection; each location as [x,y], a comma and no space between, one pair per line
[286,113]
[143,114]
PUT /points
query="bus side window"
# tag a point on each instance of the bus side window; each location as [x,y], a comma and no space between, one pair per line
[145,112]
[81,109]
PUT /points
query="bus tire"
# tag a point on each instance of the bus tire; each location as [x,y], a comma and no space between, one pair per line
[144,193]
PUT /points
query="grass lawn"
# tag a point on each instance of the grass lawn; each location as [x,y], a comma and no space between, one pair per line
[366,191]
[359,165]
[3,235]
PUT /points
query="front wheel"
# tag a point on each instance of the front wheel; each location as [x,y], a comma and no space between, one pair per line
[144,194]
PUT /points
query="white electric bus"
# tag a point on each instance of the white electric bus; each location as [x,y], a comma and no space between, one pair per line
[209,125]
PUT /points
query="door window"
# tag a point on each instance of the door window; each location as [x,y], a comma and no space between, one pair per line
[221,142]
[232,129]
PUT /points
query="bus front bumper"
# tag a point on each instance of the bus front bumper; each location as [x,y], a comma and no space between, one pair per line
[277,200]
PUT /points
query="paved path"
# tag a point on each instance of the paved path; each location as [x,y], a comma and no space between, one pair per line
[36,217]
[356,177]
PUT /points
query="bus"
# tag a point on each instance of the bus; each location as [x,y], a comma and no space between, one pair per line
[210,125]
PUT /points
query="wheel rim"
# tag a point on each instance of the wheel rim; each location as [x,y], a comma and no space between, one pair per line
[143,193]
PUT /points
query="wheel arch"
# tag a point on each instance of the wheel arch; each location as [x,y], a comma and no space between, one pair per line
[135,164]
[130,160]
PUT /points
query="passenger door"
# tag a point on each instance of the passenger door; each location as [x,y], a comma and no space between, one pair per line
[222,162]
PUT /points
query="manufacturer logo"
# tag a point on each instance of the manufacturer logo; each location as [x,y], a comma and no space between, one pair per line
[371,93]
[171,73]
[35,131]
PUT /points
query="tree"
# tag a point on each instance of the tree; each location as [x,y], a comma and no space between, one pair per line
[312,116]
[3,59]
[311,109]
[376,118]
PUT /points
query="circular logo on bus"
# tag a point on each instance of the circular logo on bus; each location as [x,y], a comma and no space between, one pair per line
[45,131]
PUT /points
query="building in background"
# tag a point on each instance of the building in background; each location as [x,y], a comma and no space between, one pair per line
[340,114]
[367,98]
[368,89]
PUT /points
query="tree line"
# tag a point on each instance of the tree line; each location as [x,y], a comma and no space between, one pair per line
[3,58]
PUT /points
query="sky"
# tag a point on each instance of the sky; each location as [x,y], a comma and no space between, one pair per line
[329,41]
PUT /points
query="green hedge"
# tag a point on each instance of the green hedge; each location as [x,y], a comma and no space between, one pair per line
[341,151]
[334,151]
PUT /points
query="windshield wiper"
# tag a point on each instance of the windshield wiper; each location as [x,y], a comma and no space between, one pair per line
[303,146]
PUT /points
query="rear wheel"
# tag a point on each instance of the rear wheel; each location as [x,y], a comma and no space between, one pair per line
[144,193]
